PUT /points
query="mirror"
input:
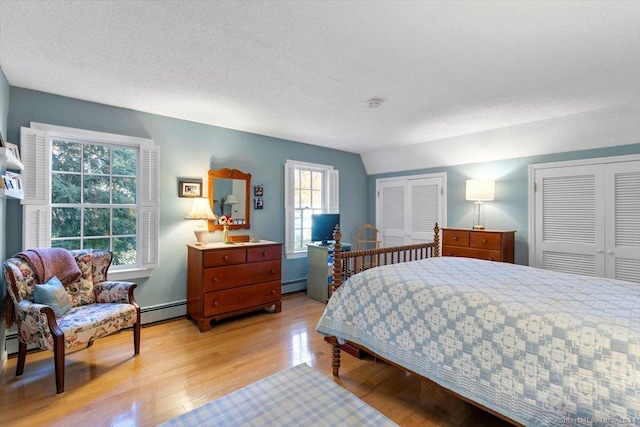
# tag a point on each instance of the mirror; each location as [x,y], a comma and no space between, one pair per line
[229,194]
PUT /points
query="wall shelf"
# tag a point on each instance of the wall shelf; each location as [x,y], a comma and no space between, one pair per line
[11,183]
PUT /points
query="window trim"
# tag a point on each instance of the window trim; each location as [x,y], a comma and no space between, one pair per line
[331,200]
[146,191]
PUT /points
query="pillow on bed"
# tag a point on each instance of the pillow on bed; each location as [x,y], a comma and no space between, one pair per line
[54,295]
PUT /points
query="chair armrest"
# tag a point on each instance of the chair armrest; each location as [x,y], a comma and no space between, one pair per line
[114,292]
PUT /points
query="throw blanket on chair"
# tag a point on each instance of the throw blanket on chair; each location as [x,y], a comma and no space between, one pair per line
[49,262]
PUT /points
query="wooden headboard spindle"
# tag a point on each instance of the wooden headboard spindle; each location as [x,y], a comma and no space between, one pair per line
[346,264]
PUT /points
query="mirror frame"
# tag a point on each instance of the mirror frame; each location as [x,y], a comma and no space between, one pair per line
[230,174]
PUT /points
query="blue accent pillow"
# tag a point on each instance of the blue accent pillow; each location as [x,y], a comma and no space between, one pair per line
[54,295]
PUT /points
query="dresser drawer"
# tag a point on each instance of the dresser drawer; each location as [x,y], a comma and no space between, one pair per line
[240,298]
[219,278]
[483,240]
[455,237]
[226,257]
[263,253]
[472,253]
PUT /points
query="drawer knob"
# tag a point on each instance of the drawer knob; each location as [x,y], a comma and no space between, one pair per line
[215,303]
[226,257]
[215,279]
[484,240]
[273,271]
[455,238]
[273,291]
[264,253]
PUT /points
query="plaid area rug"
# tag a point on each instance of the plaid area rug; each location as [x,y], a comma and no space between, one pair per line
[296,397]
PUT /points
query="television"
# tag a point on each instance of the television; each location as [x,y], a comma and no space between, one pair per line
[322,226]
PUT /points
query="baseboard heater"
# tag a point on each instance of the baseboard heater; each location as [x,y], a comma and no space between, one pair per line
[294,285]
[160,312]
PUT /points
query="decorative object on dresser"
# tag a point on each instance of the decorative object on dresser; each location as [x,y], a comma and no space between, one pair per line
[201,211]
[225,280]
[492,245]
[480,191]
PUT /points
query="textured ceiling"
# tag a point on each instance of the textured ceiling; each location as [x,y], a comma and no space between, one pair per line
[303,70]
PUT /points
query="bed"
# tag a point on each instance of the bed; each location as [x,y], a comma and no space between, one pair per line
[535,347]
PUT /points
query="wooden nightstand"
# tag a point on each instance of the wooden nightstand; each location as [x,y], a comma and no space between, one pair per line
[492,245]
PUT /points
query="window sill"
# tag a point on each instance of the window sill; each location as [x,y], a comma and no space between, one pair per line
[295,255]
[125,275]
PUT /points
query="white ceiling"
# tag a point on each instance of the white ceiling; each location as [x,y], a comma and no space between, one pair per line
[303,70]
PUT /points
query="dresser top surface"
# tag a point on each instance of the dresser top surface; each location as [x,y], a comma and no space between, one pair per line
[481,231]
[220,245]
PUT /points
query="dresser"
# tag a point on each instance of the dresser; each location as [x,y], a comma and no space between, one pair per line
[225,280]
[492,245]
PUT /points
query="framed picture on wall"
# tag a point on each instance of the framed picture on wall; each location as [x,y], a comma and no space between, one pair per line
[257,203]
[258,190]
[189,187]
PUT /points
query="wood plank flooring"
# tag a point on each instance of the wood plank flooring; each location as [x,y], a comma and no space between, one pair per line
[179,369]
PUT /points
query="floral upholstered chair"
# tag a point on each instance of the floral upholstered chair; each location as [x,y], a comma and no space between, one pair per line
[87,307]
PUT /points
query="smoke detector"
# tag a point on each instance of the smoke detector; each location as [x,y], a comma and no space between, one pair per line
[374,103]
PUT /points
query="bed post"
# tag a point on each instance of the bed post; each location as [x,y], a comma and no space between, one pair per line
[337,261]
[436,239]
[335,355]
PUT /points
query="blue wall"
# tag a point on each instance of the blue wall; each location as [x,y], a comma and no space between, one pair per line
[510,209]
[189,149]
[4,112]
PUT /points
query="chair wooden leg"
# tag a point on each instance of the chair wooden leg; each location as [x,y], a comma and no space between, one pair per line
[22,356]
[58,359]
[136,337]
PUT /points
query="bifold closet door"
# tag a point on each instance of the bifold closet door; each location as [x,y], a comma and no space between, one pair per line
[408,209]
[587,219]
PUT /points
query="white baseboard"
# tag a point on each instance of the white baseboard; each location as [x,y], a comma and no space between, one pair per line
[152,314]
[160,312]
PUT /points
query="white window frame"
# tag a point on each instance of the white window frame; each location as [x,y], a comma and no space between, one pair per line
[36,153]
[330,200]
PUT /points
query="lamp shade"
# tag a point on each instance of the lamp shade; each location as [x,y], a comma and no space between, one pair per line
[201,209]
[231,200]
[480,189]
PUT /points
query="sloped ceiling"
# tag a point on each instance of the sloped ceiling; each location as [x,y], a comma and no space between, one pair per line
[460,81]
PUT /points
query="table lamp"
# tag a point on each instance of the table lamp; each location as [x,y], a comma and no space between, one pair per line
[202,212]
[480,191]
[231,200]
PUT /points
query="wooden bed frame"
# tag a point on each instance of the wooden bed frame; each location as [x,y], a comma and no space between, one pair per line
[346,264]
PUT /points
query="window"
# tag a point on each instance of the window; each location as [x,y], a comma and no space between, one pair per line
[309,189]
[90,190]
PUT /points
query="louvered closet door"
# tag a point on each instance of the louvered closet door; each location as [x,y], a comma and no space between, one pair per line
[569,203]
[391,215]
[408,209]
[426,208]
[623,221]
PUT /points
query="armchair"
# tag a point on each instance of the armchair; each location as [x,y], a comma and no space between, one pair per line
[99,307]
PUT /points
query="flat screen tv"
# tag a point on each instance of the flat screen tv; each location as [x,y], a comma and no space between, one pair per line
[322,226]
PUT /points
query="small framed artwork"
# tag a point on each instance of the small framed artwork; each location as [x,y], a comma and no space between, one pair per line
[13,148]
[258,190]
[257,203]
[189,187]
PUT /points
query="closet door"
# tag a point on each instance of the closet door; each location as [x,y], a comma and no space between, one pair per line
[623,221]
[587,219]
[391,212]
[408,208]
[569,216]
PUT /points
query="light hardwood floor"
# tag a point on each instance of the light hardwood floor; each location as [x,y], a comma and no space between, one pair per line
[179,369]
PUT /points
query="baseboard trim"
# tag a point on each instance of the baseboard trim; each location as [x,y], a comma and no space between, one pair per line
[294,285]
[160,312]
[155,313]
